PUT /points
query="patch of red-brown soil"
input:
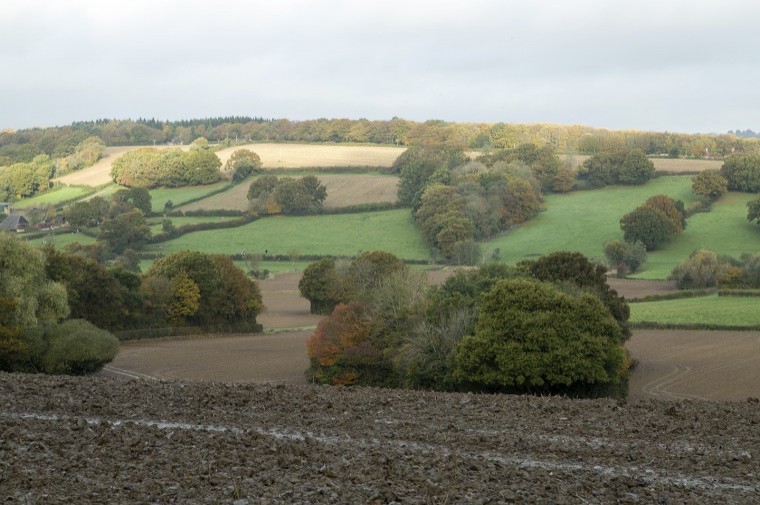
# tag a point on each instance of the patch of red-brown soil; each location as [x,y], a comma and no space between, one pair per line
[635,288]
[710,365]
[99,440]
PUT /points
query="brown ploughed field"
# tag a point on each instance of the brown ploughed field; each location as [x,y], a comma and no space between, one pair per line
[110,440]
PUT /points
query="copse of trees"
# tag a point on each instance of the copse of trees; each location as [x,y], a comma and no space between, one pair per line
[201,289]
[481,330]
[420,166]
[150,168]
[742,173]
[23,177]
[618,167]
[270,194]
[705,269]
[543,163]
[22,180]
[122,220]
[656,222]
[457,203]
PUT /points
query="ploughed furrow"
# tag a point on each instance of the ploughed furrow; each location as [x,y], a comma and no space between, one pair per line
[141,440]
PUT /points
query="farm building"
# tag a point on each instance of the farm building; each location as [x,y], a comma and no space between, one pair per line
[14,223]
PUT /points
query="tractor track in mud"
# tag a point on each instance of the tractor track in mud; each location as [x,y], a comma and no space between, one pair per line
[117,440]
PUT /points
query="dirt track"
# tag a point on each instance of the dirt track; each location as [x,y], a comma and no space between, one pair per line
[99,440]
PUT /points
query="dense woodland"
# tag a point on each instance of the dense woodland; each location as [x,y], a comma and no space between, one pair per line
[24,145]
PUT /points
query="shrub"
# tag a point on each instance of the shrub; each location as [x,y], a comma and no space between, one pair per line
[709,185]
[78,347]
[625,256]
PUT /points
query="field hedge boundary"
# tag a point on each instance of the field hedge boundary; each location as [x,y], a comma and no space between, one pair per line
[182,331]
[355,169]
[677,295]
[653,325]
[740,293]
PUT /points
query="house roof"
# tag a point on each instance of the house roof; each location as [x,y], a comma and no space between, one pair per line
[13,222]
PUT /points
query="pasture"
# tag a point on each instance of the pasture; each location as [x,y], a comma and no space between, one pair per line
[178,196]
[336,235]
[713,309]
[156,225]
[724,229]
[59,241]
[342,190]
[583,220]
[53,197]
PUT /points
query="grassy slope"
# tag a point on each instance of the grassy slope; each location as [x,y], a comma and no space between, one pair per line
[583,220]
[62,240]
[724,229]
[341,235]
[52,197]
[156,225]
[708,310]
[178,196]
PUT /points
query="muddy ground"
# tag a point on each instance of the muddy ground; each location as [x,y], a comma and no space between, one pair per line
[110,440]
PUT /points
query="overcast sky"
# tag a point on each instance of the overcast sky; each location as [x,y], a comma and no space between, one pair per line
[686,66]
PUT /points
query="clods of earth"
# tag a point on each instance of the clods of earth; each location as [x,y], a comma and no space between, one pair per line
[108,440]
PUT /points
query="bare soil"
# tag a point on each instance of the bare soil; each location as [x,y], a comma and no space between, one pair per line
[635,288]
[708,365]
[106,440]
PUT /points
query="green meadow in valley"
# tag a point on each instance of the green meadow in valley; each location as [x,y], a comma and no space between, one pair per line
[336,235]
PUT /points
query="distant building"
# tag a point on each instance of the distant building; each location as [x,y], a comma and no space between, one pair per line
[4,207]
[14,223]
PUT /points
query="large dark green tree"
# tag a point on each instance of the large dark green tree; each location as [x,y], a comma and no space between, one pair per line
[531,337]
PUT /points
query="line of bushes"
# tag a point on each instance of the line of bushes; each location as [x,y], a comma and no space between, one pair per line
[652,325]
[740,293]
[329,170]
[190,228]
[676,295]
[182,331]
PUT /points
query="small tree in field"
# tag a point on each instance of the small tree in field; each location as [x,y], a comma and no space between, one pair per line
[626,257]
[709,185]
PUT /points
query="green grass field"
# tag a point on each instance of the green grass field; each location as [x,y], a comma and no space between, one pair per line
[62,240]
[712,309]
[178,196]
[724,229]
[339,235]
[583,220]
[53,197]
[156,226]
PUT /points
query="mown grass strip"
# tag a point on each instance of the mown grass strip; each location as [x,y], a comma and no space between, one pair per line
[706,310]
